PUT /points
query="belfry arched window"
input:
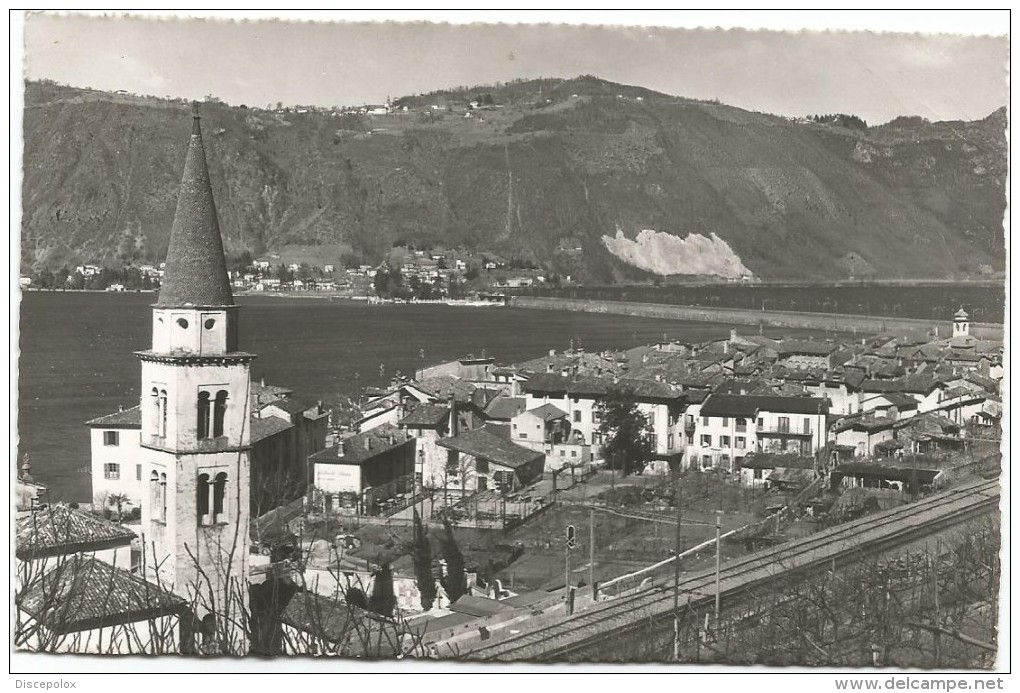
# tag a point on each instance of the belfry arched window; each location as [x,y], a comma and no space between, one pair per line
[157,414]
[220,497]
[203,415]
[203,499]
[162,413]
[162,497]
[219,412]
[154,495]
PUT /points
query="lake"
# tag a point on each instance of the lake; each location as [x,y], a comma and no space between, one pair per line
[76,360]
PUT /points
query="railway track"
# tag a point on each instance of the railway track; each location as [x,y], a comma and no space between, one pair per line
[851,541]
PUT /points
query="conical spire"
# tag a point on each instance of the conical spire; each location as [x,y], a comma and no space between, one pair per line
[196,270]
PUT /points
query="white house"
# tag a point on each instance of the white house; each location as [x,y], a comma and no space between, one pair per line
[729,427]
[116,457]
[661,404]
[547,429]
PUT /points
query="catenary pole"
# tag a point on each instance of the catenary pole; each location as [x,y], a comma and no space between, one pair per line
[676,573]
[718,555]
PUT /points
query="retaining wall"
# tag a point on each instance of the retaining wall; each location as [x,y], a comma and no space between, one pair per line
[866,324]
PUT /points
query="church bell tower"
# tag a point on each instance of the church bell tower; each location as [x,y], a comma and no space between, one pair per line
[196,419]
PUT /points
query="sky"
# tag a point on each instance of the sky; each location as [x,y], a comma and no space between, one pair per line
[877,76]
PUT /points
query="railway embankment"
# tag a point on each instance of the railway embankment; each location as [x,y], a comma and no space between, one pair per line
[864,324]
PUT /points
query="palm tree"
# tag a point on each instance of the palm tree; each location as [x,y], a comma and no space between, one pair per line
[118,500]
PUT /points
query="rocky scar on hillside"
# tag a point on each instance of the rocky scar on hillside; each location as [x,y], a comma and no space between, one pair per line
[533,171]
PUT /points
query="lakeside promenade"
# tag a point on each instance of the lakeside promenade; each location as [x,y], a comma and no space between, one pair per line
[866,324]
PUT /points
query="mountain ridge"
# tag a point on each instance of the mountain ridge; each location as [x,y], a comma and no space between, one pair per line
[536,169]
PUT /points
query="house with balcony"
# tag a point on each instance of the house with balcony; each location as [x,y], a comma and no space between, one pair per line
[547,429]
[729,427]
[662,404]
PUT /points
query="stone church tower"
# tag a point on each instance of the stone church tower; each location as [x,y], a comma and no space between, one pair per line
[196,421]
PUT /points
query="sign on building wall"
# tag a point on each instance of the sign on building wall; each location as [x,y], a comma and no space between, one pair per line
[338,478]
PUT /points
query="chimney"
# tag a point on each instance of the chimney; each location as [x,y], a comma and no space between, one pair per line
[340,448]
[263,381]
[393,439]
[552,352]
[318,406]
[548,368]
[453,417]
[120,407]
[368,442]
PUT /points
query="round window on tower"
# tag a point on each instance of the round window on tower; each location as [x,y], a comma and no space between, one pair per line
[183,323]
[209,323]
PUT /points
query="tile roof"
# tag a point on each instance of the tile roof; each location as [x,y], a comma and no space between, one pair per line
[696,396]
[896,399]
[861,423]
[797,346]
[84,593]
[291,406]
[442,387]
[125,418]
[352,629]
[893,470]
[363,447]
[267,392]
[492,442]
[262,428]
[590,386]
[547,412]
[196,269]
[504,408]
[479,606]
[58,529]
[426,415]
[919,383]
[748,405]
[736,386]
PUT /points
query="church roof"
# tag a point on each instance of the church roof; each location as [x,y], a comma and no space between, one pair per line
[961,314]
[196,270]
